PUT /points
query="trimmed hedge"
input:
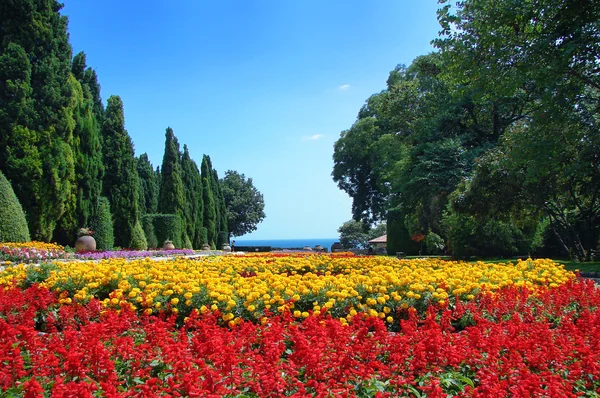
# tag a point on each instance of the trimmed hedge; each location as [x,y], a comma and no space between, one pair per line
[166,227]
[398,237]
[102,225]
[13,225]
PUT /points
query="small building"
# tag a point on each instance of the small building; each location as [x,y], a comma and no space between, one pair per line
[379,243]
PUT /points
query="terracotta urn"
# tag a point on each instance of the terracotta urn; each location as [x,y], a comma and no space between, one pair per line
[168,245]
[85,243]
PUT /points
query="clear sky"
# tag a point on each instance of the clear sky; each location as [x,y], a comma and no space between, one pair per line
[263,87]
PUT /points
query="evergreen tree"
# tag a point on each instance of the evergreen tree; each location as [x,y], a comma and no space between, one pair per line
[221,210]
[210,212]
[194,207]
[138,238]
[102,225]
[13,227]
[36,122]
[148,186]
[87,153]
[121,184]
[171,199]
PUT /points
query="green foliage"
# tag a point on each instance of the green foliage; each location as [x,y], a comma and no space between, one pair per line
[210,212]
[187,243]
[194,207]
[546,163]
[244,203]
[171,199]
[356,234]
[220,206]
[398,237]
[36,111]
[222,239]
[121,184]
[102,225]
[138,239]
[166,227]
[204,236]
[149,191]
[148,227]
[434,244]
[89,169]
[13,227]
[487,236]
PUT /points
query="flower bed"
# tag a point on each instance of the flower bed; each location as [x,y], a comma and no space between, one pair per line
[31,252]
[531,342]
[102,255]
[251,287]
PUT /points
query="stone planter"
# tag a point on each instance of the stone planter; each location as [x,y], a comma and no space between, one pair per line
[85,243]
[205,247]
[168,246]
[226,248]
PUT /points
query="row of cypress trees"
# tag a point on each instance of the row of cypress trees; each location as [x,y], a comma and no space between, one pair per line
[63,151]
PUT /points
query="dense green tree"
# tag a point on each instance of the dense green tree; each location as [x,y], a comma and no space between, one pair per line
[221,209]
[121,185]
[541,57]
[171,199]
[36,108]
[353,170]
[13,227]
[194,207]
[356,234]
[244,204]
[210,212]
[148,185]
[102,225]
[87,153]
[138,238]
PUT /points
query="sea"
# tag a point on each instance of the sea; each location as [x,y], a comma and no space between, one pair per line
[287,243]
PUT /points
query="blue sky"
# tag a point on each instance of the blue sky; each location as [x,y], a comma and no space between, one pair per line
[262,87]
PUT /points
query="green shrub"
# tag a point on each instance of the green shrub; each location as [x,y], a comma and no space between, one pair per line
[138,239]
[187,243]
[434,244]
[102,225]
[167,227]
[13,227]
[398,237]
[149,233]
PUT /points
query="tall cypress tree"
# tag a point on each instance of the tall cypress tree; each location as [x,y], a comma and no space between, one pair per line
[194,207]
[148,185]
[36,122]
[87,153]
[221,209]
[120,179]
[210,211]
[171,199]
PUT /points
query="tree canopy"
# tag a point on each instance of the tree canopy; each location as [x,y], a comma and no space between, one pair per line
[492,143]
[244,204]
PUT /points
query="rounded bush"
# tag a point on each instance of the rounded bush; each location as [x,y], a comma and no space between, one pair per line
[13,227]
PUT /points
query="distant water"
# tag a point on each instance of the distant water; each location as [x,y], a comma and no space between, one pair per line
[287,243]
